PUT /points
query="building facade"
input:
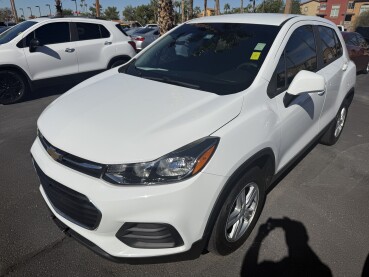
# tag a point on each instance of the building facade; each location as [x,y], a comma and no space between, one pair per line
[310,7]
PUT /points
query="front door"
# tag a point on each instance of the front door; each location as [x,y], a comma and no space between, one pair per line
[56,56]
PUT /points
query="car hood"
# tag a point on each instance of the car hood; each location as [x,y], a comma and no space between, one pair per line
[117,118]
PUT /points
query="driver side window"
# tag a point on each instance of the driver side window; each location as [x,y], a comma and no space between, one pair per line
[300,54]
[51,33]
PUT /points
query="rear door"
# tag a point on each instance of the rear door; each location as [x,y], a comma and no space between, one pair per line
[332,65]
[57,56]
[94,46]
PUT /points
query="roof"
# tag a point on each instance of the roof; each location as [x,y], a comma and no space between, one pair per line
[303,3]
[251,18]
[73,18]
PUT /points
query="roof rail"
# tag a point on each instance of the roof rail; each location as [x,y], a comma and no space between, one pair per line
[73,16]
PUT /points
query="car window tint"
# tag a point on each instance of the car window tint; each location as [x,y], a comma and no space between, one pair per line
[51,33]
[104,32]
[329,44]
[361,41]
[350,39]
[281,73]
[87,31]
[121,28]
[301,52]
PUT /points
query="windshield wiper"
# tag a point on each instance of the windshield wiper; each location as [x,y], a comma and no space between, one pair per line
[172,82]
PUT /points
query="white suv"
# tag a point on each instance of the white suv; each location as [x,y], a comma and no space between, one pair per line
[46,51]
[175,150]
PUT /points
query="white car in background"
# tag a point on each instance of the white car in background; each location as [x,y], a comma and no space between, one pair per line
[174,151]
[45,51]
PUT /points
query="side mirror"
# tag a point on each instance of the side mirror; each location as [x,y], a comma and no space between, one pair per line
[306,82]
[34,43]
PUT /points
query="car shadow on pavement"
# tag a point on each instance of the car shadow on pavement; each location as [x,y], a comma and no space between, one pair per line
[301,259]
[366,268]
[48,91]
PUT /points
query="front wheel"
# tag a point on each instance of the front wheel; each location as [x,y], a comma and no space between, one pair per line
[335,128]
[239,214]
[13,87]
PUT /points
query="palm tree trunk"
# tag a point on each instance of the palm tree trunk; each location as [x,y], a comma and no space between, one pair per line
[241,9]
[205,6]
[217,7]
[190,9]
[166,16]
[183,11]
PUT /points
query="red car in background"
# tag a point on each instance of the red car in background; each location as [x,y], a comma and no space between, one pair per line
[358,50]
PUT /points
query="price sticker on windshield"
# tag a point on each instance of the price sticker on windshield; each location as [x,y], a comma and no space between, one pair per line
[259,47]
[255,56]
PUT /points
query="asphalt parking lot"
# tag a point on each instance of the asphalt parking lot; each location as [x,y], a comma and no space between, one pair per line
[319,211]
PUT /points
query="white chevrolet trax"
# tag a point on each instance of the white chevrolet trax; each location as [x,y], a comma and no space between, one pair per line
[45,51]
[174,151]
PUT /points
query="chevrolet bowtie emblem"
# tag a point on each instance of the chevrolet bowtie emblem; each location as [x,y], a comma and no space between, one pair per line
[54,154]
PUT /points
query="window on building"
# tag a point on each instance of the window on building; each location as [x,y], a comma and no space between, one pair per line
[364,8]
[323,7]
[350,5]
[335,10]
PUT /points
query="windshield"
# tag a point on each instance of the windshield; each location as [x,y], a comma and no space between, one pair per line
[221,58]
[15,31]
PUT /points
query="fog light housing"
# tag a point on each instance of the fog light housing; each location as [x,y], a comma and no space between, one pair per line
[149,235]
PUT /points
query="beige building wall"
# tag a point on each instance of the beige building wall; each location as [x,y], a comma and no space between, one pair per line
[309,8]
[357,8]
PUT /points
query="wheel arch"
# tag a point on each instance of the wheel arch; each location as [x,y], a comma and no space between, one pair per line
[117,58]
[265,160]
[17,69]
[350,95]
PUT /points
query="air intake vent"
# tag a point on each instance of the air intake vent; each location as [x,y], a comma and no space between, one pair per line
[149,235]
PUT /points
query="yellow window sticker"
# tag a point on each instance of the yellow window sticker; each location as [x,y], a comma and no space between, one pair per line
[259,46]
[255,56]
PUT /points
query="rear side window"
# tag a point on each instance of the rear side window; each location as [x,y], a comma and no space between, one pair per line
[331,46]
[121,28]
[51,33]
[361,41]
[300,52]
[350,39]
[88,31]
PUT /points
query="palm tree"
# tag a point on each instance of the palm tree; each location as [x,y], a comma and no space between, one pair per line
[190,9]
[58,6]
[227,7]
[241,8]
[217,7]
[166,16]
[205,6]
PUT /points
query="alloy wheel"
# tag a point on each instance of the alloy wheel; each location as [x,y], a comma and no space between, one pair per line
[340,122]
[11,87]
[242,212]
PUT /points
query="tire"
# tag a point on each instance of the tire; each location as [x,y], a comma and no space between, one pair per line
[335,128]
[13,87]
[118,62]
[223,240]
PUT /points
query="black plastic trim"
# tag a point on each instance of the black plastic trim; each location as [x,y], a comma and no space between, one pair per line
[149,235]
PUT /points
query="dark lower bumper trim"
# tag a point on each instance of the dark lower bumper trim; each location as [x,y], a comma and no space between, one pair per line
[195,251]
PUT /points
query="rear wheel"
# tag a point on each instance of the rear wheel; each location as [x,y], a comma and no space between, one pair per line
[239,214]
[335,128]
[13,87]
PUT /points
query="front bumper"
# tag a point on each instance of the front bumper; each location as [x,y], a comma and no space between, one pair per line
[185,205]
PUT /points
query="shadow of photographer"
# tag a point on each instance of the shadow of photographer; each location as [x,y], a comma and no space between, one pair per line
[301,259]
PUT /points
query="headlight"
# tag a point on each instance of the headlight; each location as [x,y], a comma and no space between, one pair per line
[177,165]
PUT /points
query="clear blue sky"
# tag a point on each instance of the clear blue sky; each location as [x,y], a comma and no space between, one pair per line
[120,4]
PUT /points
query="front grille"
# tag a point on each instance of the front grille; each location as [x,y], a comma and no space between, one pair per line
[71,161]
[70,204]
[149,235]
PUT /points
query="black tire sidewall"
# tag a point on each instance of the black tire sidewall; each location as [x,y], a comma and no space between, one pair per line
[24,92]
[218,243]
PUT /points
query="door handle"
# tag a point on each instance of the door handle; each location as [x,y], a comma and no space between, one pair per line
[107,43]
[70,50]
[345,66]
